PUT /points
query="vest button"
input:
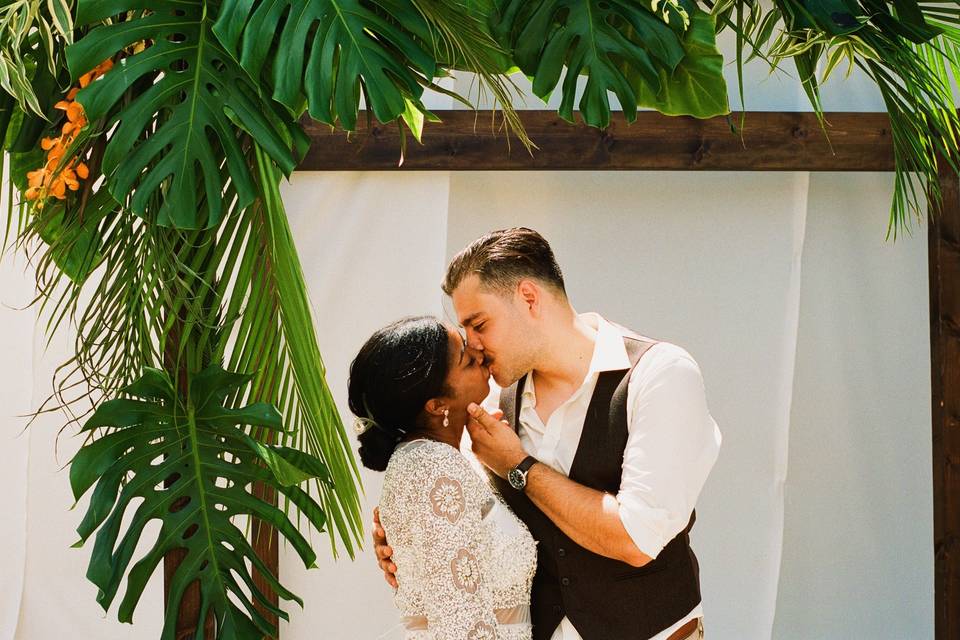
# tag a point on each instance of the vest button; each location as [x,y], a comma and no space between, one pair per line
[561,552]
[557,608]
[565,582]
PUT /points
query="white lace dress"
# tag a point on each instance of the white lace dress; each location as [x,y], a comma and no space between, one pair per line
[465,562]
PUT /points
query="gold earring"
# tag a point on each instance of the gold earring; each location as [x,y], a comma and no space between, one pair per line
[446,418]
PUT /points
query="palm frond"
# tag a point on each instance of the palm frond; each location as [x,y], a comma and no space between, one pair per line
[463,41]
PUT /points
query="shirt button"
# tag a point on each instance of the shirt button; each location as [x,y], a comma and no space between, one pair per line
[561,552]
[565,582]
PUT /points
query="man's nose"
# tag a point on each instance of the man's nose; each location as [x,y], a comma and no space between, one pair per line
[473,341]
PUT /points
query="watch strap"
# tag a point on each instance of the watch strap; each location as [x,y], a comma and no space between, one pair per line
[527,462]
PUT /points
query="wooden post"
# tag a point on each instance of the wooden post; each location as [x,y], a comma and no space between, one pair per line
[266,543]
[944,263]
[189,605]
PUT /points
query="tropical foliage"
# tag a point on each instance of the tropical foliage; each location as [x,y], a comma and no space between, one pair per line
[191,460]
[145,141]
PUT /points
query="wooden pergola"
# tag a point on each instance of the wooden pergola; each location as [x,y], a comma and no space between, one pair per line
[771,141]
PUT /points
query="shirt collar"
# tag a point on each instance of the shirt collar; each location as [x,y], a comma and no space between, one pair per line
[609,351]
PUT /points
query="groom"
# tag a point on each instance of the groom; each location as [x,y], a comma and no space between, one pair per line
[605,445]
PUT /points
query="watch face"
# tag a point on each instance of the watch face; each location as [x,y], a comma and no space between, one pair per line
[516,479]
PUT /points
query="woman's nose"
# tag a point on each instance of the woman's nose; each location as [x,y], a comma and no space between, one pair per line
[475,351]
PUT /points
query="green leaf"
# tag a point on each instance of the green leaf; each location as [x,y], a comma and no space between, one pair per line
[413,116]
[60,15]
[330,51]
[598,38]
[835,17]
[182,465]
[289,466]
[697,86]
[36,115]
[187,93]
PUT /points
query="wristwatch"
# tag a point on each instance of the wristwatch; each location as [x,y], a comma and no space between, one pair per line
[517,477]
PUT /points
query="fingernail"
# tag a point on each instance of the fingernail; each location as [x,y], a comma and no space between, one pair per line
[473,408]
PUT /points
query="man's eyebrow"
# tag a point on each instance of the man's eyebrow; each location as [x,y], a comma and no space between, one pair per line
[469,319]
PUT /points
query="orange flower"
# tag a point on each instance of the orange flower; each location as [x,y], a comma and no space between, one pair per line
[75,112]
[35,178]
[45,181]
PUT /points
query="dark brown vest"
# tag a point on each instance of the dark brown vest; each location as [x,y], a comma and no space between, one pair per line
[605,599]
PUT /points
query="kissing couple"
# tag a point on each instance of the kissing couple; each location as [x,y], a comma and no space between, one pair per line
[556,505]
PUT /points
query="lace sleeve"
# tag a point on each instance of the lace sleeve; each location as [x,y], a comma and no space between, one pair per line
[457,599]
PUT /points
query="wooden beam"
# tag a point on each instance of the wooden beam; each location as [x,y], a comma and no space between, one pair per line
[464,141]
[944,263]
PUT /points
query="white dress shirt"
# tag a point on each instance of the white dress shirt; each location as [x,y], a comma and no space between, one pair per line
[672,441]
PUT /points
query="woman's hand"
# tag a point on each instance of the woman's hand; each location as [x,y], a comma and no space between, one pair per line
[384,551]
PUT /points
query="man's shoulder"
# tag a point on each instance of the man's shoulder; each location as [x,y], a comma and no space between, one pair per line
[664,356]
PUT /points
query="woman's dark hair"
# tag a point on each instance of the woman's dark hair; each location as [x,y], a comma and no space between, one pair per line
[397,370]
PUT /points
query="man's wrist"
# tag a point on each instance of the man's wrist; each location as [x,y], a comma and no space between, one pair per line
[517,475]
[513,463]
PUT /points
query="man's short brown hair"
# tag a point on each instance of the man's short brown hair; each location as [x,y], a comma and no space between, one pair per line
[503,258]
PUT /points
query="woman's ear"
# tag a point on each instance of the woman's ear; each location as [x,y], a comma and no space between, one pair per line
[435,406]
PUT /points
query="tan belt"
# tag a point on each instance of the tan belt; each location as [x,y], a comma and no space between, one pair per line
[684,632]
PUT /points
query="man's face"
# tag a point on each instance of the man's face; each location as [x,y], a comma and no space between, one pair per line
[497,325]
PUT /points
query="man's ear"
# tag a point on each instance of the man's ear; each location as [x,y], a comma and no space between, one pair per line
[529,293]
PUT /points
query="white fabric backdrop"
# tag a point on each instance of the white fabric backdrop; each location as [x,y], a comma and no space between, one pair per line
[811,332]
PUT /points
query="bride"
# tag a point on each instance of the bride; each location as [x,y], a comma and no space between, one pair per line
[464,561]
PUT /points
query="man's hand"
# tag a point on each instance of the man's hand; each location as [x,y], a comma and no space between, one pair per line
[384,552]
[495,443]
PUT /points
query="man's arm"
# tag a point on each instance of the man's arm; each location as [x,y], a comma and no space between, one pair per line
[589,517]
[383,551]
[672,445]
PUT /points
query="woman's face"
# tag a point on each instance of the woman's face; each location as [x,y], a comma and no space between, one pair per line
[468,380]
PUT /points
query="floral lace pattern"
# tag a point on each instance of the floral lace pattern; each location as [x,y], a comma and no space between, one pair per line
[460,561]
[482,631]
[466,573]
[447,499]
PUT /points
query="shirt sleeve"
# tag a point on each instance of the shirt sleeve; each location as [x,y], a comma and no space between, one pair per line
[458,601]
[672,445]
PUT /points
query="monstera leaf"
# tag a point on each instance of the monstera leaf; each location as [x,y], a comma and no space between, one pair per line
[697,86]
[191,103]
[591,37]
[189,464]
[330,50]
